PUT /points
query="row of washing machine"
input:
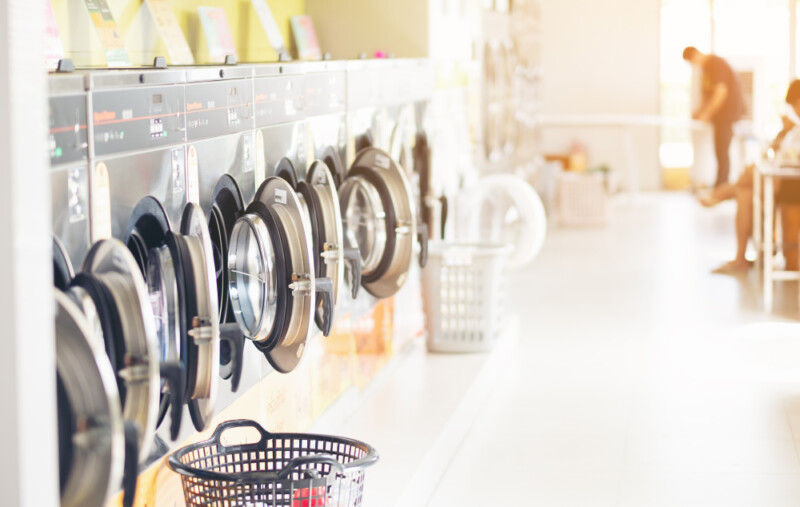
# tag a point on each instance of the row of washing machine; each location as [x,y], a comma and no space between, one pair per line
[205,207]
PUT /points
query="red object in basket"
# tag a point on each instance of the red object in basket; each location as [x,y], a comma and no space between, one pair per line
[310,497]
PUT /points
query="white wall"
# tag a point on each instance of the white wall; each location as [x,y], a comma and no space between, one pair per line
[602,57]
[28,437]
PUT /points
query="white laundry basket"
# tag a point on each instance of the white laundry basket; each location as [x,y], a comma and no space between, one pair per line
[462,286]
[583,200]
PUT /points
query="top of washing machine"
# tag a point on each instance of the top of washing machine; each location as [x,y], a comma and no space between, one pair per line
[107,79]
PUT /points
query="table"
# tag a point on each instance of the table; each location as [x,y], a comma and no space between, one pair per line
[625,122]
[763,237]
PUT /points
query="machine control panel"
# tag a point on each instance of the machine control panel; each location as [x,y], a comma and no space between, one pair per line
[68,141]
[218,108]
[279,99]
[326,93]
[135,119]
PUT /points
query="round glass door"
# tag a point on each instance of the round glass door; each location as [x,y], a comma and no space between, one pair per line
[162,289]
[364,219]
[252,277]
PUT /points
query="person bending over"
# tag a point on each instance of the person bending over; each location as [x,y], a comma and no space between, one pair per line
[722,105]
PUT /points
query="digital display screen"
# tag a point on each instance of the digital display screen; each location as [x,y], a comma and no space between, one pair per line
[157,99]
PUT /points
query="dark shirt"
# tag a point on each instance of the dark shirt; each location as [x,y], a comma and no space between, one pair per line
[716,71]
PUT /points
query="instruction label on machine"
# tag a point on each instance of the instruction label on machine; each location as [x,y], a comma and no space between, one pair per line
[100,203]
[110,38]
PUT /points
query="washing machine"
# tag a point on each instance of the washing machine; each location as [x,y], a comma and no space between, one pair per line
[326,122]
[368,85]
[220,117]
[326,117]
[280,111]
[176,259]
[86,387]
[409,84]
[319,200]
[433,204]
[222,167]
[272,282]
[140,190]
[69,163]
[379,218]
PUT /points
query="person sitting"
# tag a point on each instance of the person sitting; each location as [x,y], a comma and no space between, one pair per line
[787,195]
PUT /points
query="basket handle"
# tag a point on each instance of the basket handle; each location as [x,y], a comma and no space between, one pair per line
[293,464]
[238,423]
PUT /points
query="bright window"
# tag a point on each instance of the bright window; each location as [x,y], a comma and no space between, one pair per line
[753,35]
[683,23]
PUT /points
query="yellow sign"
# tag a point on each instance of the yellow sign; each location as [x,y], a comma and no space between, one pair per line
[170,32]
[107,31]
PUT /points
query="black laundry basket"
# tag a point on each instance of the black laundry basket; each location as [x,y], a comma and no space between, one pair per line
[280,470]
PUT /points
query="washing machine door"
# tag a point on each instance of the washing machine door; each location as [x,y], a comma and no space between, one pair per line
[90,428]
[317,217]
[181,284]
[63,272]
[227,205]
[334,162]
[204,345]
[378,216]
[320,204]
[332,253]
[114,284]
[272,276]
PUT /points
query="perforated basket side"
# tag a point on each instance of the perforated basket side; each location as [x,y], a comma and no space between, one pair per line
[582,200]
[281,470]
[463,291]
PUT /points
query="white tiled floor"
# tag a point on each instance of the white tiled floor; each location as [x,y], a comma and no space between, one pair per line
[641,379]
